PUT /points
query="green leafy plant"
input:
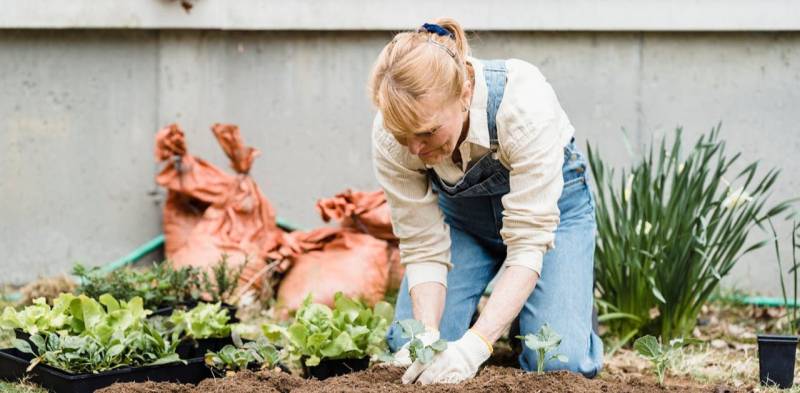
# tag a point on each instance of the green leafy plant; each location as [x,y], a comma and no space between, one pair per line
[40,317]
[233,358]
[350,331]
[660,355]
[103,334]
[417,350]
[543,342]
[669,229]
[223,281]
[206,320]
[159,286]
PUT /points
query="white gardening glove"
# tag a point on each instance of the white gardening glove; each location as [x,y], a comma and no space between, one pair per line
[402,358]
[458,362]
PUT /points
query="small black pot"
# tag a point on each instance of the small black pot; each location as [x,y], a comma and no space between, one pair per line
[334,367]
[776,356]
[166,311]
[191,348]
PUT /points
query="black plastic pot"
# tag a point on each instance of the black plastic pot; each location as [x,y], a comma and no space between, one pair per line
[776,356]
[189,349]
[13,364]
[331,368]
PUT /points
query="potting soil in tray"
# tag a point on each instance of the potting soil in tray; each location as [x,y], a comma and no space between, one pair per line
[387,379]
[13,364]
[332,368]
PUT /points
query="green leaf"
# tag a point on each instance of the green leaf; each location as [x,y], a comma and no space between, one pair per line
[439,345]
[648,347]
[23,346]
[384,310]
[312,361]
[425,355]
[109,301]
[411,327]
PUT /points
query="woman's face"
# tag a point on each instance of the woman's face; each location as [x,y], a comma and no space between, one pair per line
[438,138]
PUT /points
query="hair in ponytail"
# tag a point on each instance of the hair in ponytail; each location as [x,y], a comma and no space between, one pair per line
[416,65]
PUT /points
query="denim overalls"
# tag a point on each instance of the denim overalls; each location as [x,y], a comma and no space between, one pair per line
[563,296]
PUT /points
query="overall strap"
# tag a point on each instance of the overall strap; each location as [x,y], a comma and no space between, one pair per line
[496,76]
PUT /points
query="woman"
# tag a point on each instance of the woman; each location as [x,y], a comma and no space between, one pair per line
[482,177]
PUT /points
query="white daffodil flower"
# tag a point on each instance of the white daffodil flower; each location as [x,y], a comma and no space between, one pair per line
[646,229]
[736,198]
[626,194]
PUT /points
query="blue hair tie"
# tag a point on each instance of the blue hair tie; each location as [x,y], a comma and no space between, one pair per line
[436,29]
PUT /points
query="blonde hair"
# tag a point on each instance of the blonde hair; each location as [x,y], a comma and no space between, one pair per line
[416,65]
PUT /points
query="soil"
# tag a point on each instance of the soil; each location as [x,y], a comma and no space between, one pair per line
[387,379]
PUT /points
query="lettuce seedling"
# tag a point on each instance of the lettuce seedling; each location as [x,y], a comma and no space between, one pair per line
[206,320]
[39,317]
[102,335]
[417,349]
[660,355]
[231,359]
[350,330]
[543,342]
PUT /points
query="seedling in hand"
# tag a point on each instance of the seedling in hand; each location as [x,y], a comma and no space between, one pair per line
[416,348]
[543,342]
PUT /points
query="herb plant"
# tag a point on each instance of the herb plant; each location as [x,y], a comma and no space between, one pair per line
[543,342]
[350,331]
[417,350]
[669,228]
[660,355]
[224,280]
[159,286]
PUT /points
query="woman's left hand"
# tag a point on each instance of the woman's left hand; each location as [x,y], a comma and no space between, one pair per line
[458,362]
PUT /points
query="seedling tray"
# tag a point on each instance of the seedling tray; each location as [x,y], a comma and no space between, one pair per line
[13,364]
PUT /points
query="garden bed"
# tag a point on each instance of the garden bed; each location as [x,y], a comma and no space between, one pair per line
[387,379]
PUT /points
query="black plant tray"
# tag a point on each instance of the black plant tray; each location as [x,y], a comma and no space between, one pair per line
[167,310]
[776,357]
[334,367]
[13,364]
[189,349]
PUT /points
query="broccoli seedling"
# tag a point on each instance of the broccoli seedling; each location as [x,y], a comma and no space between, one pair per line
[658,354]
[544,341]
[417,349]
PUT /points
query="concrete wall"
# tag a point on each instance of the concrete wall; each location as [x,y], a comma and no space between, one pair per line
[80,108]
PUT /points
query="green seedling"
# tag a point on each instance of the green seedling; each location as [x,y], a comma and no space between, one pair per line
[417,349]
[95,335]
[351,330]
[660,355]
[543,342]
[231,359]
[206,320]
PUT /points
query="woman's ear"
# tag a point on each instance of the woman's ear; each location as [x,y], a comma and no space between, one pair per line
[466,95]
